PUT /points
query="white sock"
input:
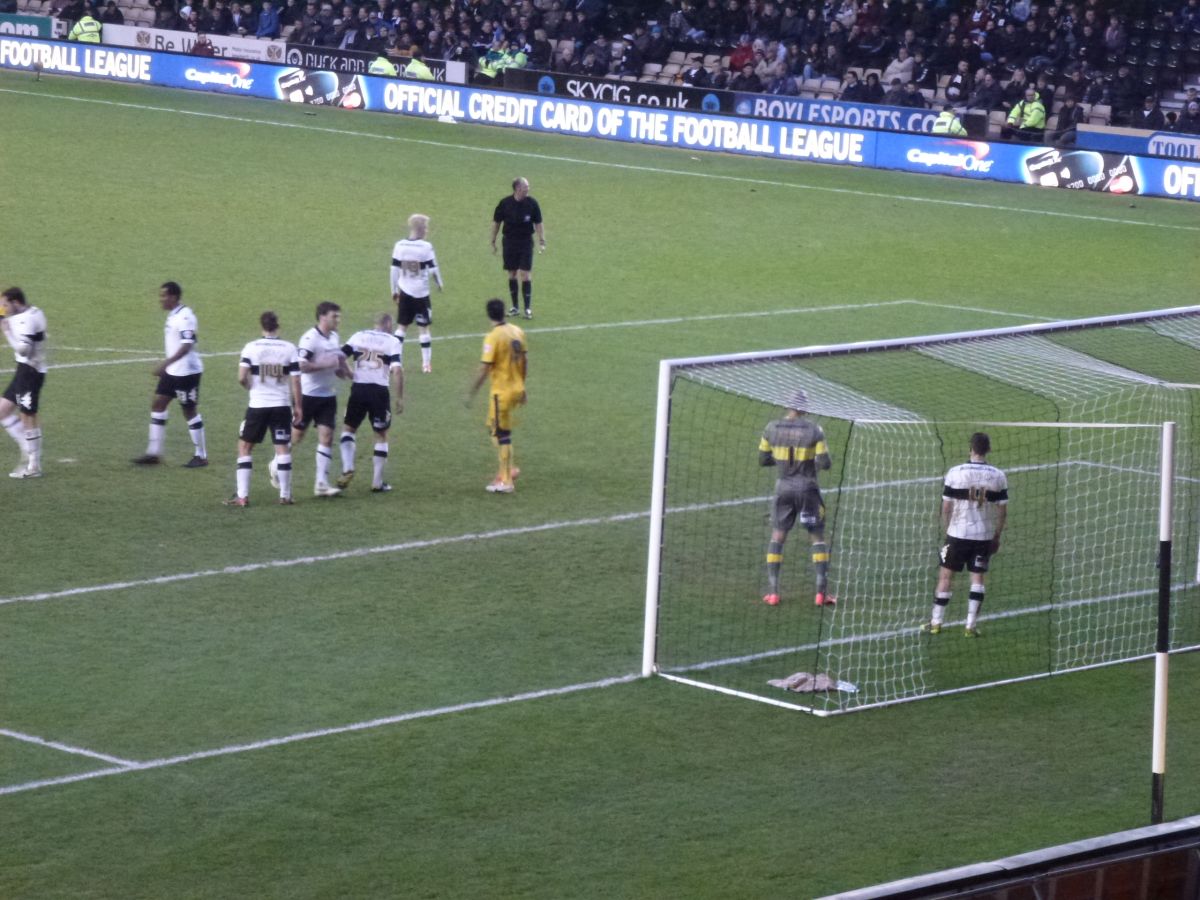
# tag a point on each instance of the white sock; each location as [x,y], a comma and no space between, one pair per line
[973,603]
[381,453]
[283,469]
[196,430]
[349,447]
[245,466]
[33,447]
[15,430]
[158,433]
[324,458]
[939,609]
[426,351]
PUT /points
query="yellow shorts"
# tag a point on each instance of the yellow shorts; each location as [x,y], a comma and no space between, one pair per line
[500,410]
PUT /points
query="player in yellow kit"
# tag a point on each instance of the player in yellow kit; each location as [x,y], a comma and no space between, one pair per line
[505,361]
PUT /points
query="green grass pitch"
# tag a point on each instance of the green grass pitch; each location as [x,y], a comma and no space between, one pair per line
[635,789]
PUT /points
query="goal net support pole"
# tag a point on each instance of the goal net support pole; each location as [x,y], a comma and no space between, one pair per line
[1162,646]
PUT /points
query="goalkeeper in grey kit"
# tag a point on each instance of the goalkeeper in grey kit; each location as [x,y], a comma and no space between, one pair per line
[796,447]
[974,510]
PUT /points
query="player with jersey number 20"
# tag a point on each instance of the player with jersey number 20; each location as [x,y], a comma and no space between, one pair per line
[974,510]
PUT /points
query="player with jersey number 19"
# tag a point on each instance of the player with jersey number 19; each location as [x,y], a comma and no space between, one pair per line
[506,361]
[413,264]
[24,328]
[270,370]
[974,510]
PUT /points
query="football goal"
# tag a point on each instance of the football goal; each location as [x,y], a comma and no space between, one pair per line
[1076,413]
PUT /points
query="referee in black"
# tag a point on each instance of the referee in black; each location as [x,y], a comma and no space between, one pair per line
[521,217]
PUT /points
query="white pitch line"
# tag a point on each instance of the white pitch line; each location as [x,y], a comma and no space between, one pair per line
[655,170]
[65,748]
[322,732]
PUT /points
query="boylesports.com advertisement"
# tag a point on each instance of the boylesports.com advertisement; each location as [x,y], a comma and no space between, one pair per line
[692,130]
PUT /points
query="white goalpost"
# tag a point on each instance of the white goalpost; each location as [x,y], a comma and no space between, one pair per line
[1075,412]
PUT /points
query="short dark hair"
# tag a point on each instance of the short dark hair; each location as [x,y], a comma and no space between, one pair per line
[495,309]
[981,444]
[327,306]
[16,295]
[172,288]
[269,321]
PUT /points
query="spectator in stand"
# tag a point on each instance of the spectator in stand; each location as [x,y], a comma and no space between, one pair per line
[590,66]
[657,48]
[695,75]
[540,51]
[601,49]
[626,59]
[846,14]
[923,73]
[913,98]
[852,89]
[895,94]
[1150,116]
[268,22]
[946,54]
[743,53]
[791,24]
[243,19]
[961,84]
[980,19]
[1115,37]
[111,14]
[1089,48]
[1189,120]
[948,123]
[1070,115]
[220,21]
[166,17]
[922,21]
[1027,119]
[1014,91]
[1123,92]
[872,89]
[901,67]
[1045,90]
[202,46]
[813,31]
[783,84]
[988,93]
[746,81]
[565,60]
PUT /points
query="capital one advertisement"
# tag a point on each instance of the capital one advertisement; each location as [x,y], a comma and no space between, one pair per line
[691,130]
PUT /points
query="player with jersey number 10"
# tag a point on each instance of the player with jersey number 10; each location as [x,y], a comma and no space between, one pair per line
[974,510]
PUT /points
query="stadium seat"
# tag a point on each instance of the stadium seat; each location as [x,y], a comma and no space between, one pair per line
[1100,114]
[677,58]
[670,70]
[810,86]
[652,68]
[996,120]
[693,59]
[1051,124]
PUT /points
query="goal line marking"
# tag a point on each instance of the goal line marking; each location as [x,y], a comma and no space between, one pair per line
[65,748]
[628,167]
[165,762]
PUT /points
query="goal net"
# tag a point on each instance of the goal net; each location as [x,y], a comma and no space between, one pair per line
[1074,411]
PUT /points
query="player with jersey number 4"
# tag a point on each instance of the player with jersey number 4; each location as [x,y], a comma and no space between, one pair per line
[24,327]
[974,510]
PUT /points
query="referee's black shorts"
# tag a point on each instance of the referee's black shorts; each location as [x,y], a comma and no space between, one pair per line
[518,254]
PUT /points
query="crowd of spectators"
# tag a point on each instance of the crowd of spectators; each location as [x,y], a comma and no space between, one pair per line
[982,55]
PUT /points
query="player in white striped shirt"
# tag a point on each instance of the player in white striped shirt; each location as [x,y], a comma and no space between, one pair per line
[413,264]
[376,357]
[24,328]
[269,369]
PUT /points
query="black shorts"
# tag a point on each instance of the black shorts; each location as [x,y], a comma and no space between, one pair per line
[414,309]
[807,506]
[262,419]
[184,388]
[959,552]
[319,410]
[518,254]
[25,388]
[369,400]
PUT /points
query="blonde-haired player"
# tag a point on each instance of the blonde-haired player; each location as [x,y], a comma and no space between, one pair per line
[505,360]
[413,263]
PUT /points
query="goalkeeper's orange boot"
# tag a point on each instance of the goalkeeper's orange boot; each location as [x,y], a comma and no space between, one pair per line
[771,599]
[823,599]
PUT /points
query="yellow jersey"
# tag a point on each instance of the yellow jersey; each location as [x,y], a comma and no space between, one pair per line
[504,350]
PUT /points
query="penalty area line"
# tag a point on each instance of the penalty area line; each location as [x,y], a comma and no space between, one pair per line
[367,725]
[65,748]
[628,167]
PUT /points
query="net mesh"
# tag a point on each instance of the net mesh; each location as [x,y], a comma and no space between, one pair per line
[1074,418]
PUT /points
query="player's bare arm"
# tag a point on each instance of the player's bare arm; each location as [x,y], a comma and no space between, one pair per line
[184,349]
[244,376]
